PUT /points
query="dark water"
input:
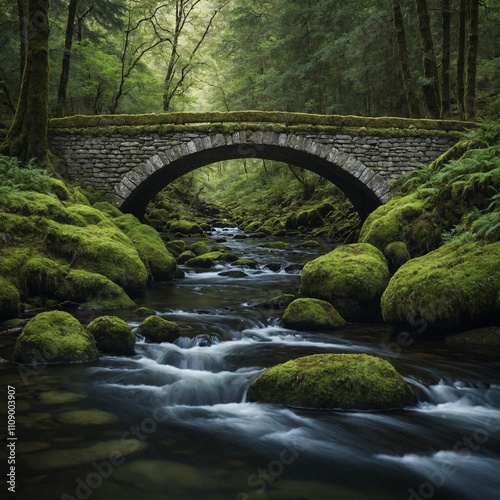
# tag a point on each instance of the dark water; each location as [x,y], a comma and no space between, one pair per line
[172,422]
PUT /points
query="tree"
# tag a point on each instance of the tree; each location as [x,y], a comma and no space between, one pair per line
[430,85]
[404,61]
[471,59]
[27,137]
[445,57]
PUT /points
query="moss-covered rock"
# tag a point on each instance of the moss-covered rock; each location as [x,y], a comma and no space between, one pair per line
[199,248]
[176,247]
[107,251]
[144,312]
[351,277]
[209,259]
[90,215]
[280,301]
[489,336]
[248,263]
[152,251]
[112,335]
[185,227]
[334,382]
[396,254]
[156,329]
[405,219]
[449,287]
[107,208]
[93,291]
[185,256]
[309,218]
[54,337]
[312,314]
[42,276]
[10,302]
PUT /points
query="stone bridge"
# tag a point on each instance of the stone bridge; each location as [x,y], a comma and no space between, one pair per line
[132,157]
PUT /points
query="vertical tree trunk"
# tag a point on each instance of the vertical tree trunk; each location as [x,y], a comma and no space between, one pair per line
[27,137]
[430,87]
[445,58]
[404,61]
[471,59]
[66,60]
[461,58]
[22,37]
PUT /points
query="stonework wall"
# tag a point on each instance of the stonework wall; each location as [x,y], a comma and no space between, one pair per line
[103,161]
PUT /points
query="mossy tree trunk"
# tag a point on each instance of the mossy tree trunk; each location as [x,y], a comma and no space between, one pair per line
[404,61]
[471,59]
[461,59]
[430,87]
[27,137]
[66,60]
[22,36]
[445,58]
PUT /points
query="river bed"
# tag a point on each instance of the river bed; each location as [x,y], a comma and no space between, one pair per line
[172,421]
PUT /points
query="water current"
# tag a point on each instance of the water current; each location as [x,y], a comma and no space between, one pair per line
[172,421]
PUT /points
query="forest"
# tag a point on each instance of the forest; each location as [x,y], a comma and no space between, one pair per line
[252,333]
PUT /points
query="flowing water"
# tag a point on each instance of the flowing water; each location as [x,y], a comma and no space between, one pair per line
[172,422]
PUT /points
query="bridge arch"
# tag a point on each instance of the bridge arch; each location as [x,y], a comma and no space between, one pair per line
[363,186]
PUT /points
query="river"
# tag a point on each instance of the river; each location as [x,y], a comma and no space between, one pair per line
[172,422]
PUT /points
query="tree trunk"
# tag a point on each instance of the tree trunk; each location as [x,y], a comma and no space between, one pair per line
[445,58]
[404,61]
[27,137]
[22,37]
[430,87]
[461,58]
[66,60]
[471,60]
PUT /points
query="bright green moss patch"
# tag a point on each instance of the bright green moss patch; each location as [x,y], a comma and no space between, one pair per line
[54,337]
[334,382]
[489,336]
[280,301]
[93,291]
[176,247]
[209,259]
[199,248]
[396,254]
[10,303]
[112,335]
[184,227]
[156,329]
[152,251]
[103,251]
[312,314]
[42,276]
[351,277]
[449,287]
[107,208]
[144,312]
[89,215]
[185,256]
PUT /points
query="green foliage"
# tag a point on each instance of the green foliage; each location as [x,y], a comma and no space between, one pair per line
[16,176]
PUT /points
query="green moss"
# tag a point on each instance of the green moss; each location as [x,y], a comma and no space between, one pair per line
[309,218]
[209,259]
[104,251]
[42,276]
[112,335]
[12,259]
[312,314]
[396,254]
[402,219]
[107,208]
[185,256]
[249,263]
[199,248]
[280,301]
[89,215]
[448,287]
[489,336]
[184,227]
[93,291]
[54,337]
[351,277]
[10,302]
[144,312]
[334,381]
[176,247]
[156,329]
[279,245]
[152,251]
[58,188]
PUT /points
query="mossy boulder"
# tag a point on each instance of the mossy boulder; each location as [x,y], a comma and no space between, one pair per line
[144,312]
[185,256]
[10,302]
[351,277]
[312,314]
[112,335]
[156,329]
[176,247]
[450,287]
[406,219]
[107,208]
[334,382]
[42,276]
[107,251]
[54,337]
[309,218]
[199,248]
[280,301]
[209,259]
[93,291]
[489,336]
[150,247]
[90,215]
[396,254]
[184,227]
[249,263]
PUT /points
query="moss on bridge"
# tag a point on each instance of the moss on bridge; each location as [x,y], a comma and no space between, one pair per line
[228,122]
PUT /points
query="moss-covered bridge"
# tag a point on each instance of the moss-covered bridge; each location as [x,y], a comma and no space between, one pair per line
[132,157]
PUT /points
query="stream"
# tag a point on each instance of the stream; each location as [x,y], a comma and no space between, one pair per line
[172,421]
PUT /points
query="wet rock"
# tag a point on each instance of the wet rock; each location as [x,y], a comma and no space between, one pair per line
[489,336]
[334,382]
[234,274]
[312,314]
[112,335]
[273,266]
[86,417]
[156,329]
[279,302]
